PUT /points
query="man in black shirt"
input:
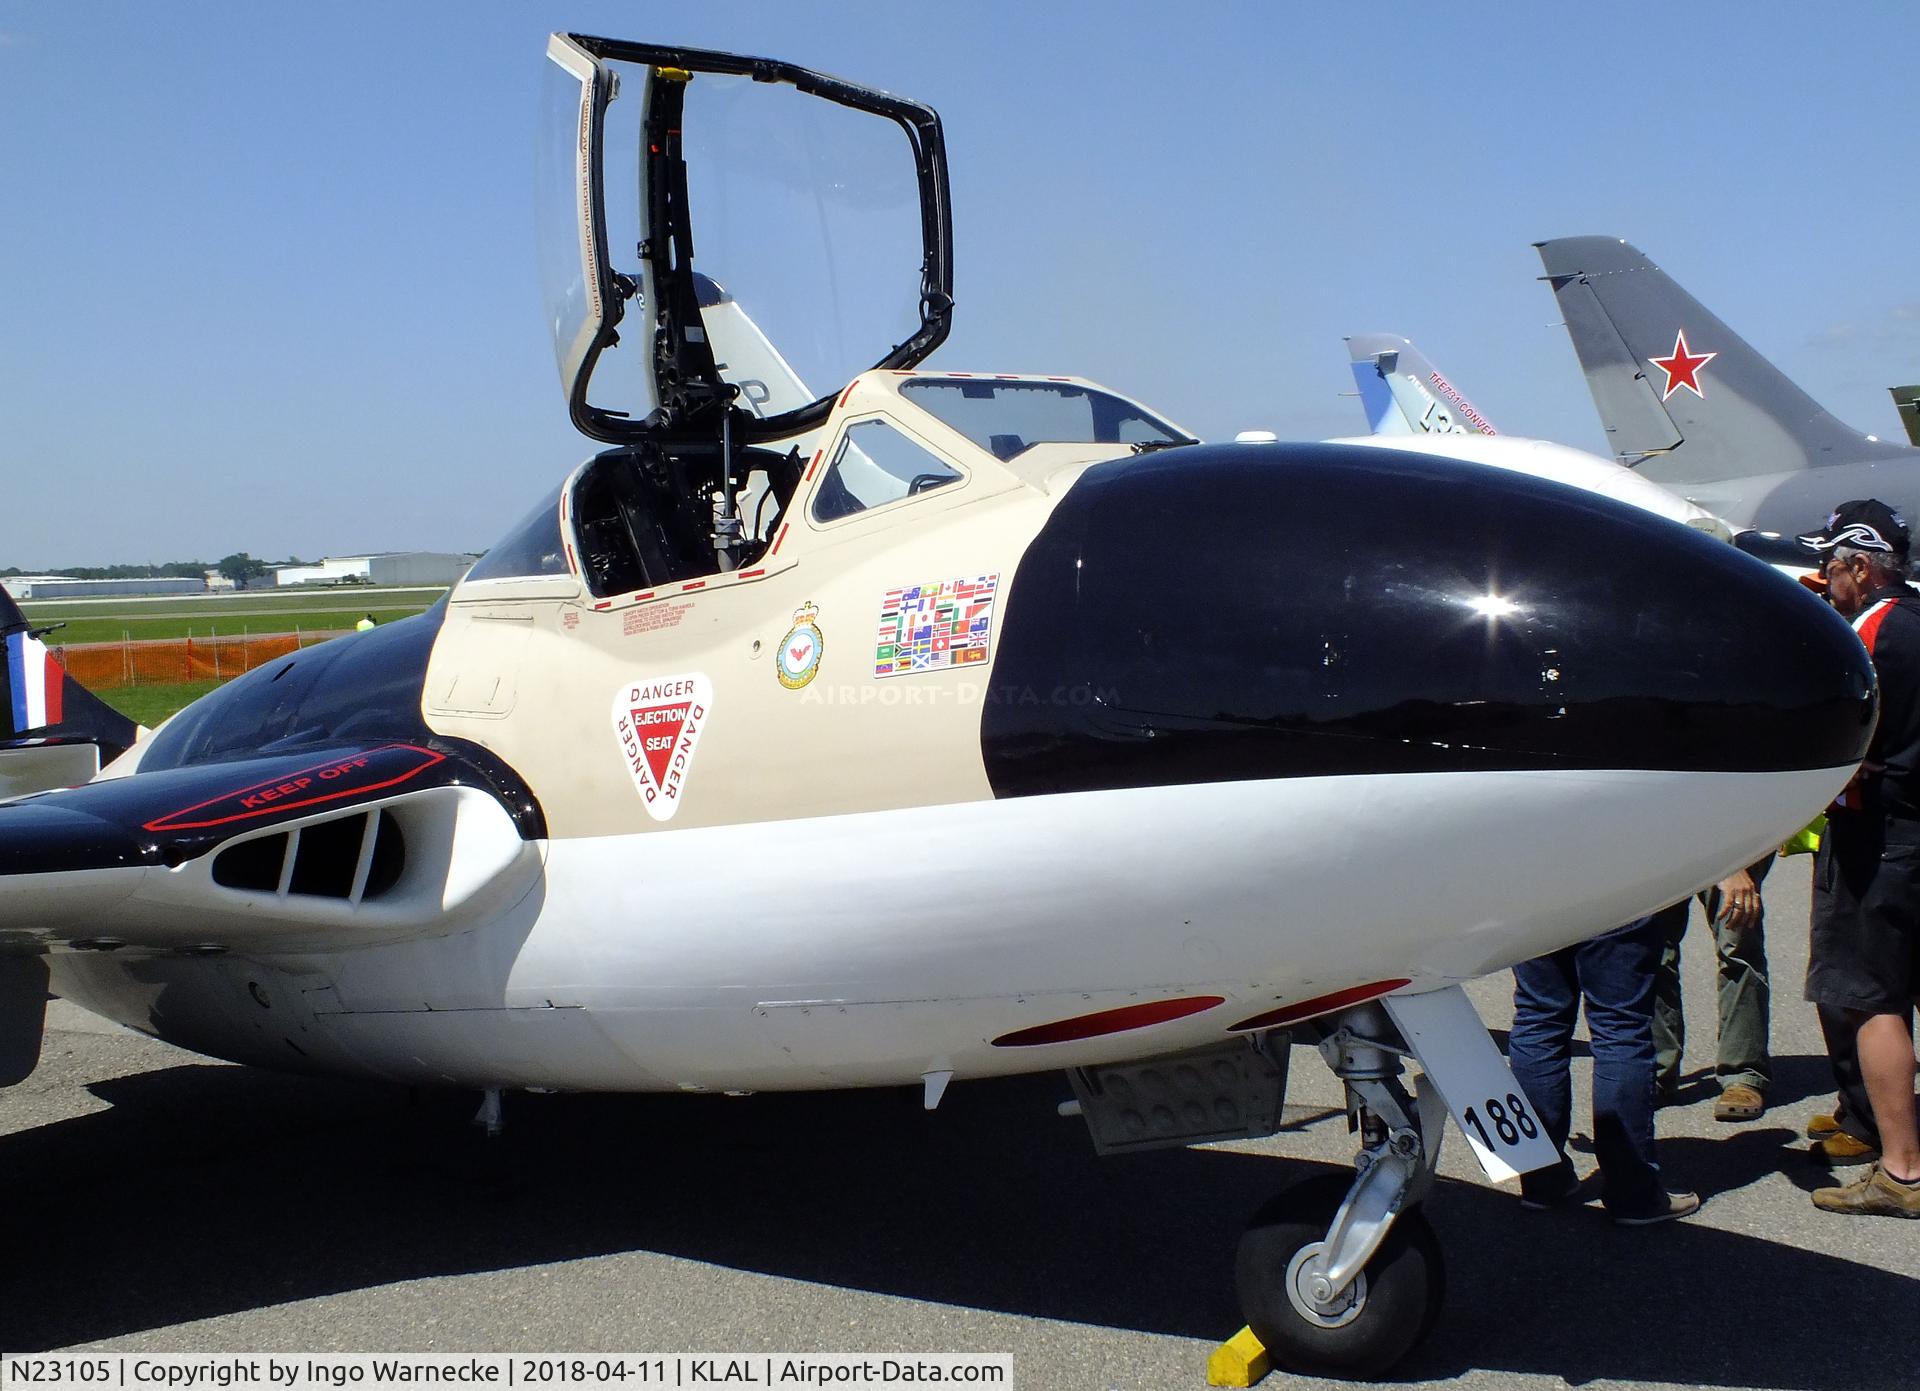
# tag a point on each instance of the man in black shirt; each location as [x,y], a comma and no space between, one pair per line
[1864,957]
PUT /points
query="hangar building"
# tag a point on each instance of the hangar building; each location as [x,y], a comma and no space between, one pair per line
[63,587]
[387,568]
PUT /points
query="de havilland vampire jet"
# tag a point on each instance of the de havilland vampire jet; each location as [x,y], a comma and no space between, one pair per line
[944,725]
[1688,404]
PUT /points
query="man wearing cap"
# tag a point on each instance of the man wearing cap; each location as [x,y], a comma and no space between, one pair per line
[1863,966]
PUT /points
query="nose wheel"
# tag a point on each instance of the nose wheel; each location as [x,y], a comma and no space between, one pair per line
[1360,1330]
[1343,1277]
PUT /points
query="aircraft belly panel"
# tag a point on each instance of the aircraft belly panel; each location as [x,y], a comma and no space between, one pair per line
[565,1049]
[245,1011]
[871,947]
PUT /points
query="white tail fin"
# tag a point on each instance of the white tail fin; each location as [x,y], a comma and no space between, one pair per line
[1404,394]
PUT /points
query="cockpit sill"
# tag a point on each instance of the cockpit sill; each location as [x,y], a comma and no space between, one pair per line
[793,529]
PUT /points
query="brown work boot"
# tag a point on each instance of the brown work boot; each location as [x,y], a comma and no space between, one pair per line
[1822,1126]
[1671,1205]
[1739,1102]
[1842,1148]
[1876,1195]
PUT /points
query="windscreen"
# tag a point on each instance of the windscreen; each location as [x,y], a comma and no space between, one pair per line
[533,547]
[803,217]
[1010,417]
[807,214]
[565,188]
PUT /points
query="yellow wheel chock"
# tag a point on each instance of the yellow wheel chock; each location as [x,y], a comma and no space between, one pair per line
[1240,1361]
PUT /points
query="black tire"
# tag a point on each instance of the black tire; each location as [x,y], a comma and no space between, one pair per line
[1405,1286]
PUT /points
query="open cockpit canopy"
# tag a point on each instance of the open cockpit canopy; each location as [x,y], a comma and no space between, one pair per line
[700,208]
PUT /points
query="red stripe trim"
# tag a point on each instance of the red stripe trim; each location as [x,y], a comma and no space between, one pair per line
[1109,1021]
[693,584]
[849,391]
[812,466]
[604,604]
[1320,1004]
[775,550]
[1869,625]
[571,567]
[55,676]
[751,574]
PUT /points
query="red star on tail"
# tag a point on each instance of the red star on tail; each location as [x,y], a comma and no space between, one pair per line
[1683,368]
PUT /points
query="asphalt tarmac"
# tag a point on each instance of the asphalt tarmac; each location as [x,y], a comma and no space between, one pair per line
[156,1201]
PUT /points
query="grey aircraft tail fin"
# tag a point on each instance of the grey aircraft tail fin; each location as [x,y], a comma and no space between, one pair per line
[1403,394]
[1682,396]
[1907,400]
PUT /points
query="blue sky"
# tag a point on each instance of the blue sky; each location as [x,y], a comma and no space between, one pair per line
[268,278]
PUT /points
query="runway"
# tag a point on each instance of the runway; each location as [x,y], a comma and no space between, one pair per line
[157,1201]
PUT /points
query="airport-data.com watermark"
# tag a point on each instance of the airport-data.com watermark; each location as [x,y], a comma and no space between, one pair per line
[614,1371]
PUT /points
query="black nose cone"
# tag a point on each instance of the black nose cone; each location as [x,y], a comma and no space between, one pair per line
[1264,611]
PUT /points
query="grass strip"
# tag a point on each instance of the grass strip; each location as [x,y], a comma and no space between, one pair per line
[148,705]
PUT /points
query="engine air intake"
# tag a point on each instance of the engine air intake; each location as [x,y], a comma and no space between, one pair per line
[355,858]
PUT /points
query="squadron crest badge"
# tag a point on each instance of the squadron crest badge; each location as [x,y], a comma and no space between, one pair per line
[798,660]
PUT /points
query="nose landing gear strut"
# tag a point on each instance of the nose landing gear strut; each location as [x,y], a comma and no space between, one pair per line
[1339,1277]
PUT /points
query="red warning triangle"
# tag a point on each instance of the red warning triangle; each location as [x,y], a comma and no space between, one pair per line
[659,724]
[660,728]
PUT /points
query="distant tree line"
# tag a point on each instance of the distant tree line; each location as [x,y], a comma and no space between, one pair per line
[173,569]
[238,567]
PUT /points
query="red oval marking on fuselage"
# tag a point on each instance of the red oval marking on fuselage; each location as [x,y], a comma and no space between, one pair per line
[1109,1021]
[1320,1004]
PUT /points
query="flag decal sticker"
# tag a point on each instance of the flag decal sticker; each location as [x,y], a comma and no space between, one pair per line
[935,626]
[35,684]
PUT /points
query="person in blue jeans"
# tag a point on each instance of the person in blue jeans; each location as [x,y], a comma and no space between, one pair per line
[1613,976]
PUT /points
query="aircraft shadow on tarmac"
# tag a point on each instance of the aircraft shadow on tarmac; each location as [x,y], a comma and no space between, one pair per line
[207,1190]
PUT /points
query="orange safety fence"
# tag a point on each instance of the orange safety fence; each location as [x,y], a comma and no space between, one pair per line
[168,661]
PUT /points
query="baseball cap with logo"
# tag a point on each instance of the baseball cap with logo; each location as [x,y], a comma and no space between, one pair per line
[1866,525]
